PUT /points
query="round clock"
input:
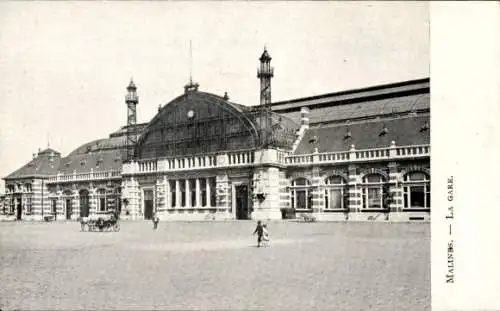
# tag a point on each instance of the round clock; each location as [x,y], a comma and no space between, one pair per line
[190,114]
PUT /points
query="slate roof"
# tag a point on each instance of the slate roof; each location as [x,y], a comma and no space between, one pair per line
[103,160]
[366,110]
[418,86]
[365,135]
[44,164]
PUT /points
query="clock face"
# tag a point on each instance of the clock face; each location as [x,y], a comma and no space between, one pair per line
[190,114]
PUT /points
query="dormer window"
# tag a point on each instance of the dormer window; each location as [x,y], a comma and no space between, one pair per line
[313,140]
[425,127]
[348,135]
[384,131]
[82,162]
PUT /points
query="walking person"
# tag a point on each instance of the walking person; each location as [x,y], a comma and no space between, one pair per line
[260,231]
[156,219]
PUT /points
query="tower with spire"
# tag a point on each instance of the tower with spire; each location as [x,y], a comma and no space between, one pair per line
[265,72]
[131,99]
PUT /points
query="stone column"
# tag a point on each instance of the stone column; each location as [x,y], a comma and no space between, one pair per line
[394,188]
[223,198]
[168,199]
[284,192]
[267,181]
[354,190]
[198,192]
[177,194]
[207,185]
[187,188]
[317,193]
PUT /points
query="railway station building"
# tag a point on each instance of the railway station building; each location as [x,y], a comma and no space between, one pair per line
[356,155]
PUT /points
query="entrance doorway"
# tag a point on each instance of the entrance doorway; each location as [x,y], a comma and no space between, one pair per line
[84,203]
[69,209]
[148,204]
[19,209]
[241,200]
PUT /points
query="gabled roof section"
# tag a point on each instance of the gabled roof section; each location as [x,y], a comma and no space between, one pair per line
[366,135]
[43,165]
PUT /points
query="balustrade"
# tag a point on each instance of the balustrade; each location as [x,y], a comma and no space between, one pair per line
[360,155]
[242,158]
[84,176]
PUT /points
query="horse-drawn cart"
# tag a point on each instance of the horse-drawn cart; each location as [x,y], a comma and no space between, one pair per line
[101,222]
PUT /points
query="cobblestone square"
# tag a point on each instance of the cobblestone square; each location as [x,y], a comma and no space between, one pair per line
[215,265]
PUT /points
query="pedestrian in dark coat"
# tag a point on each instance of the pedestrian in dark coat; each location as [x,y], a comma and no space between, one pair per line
[156,219]
[260,231]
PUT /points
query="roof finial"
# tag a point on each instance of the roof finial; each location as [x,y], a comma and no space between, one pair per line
[48,140]
[191,86]
[190,63]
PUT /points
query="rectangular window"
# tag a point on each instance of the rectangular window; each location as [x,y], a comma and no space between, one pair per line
[54,206]
[372,197]
[192,186]
[29,205]
[172,193]
[102,204]
[301,199]
[327,199]
[182,188]
[335,199]
[417,197]
[203,188]
[212,192]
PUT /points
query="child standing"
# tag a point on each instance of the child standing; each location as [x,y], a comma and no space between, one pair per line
[156,219]
[260,231]
[265,235]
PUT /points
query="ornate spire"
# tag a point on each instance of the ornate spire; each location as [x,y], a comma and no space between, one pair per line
[191,86]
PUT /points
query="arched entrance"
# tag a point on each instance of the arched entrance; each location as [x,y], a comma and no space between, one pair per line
[84,203]
[19,208]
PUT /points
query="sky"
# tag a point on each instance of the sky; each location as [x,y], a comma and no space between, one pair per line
[65,65]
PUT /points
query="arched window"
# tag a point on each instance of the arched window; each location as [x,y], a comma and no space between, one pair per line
[417,190]
[336,193]
[301,194]
[101,200]
[373,191]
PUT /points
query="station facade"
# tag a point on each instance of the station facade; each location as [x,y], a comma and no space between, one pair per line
[357,155]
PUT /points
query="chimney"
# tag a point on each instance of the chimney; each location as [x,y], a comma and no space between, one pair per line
[304,117]
[34,155]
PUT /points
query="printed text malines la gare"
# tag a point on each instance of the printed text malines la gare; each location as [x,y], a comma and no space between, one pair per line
[450,275]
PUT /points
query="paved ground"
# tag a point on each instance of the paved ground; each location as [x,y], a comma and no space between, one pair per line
[323,266]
